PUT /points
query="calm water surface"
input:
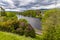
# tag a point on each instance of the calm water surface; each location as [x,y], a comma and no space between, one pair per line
[35,22]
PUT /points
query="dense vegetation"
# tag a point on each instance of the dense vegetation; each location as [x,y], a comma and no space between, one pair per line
[51,25]
[10,23]
[32,13]
[29,13]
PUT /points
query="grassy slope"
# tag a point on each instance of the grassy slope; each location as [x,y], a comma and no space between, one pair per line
[10,36]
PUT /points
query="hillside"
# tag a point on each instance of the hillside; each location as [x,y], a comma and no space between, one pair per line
[10,36]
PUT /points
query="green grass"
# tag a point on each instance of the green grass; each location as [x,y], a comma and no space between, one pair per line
[11,36]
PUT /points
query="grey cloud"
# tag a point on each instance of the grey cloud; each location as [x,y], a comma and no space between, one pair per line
[22,4]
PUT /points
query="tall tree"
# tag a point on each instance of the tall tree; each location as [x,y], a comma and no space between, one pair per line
[2,12]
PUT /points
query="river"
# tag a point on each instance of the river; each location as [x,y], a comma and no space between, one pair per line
[34,22]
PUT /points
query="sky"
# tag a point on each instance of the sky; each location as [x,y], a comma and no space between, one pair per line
[21,5]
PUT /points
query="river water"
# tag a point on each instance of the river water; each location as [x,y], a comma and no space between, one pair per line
[34,22]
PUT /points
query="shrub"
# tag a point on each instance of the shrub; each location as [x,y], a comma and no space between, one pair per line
[19,31]
[22,24]
[9,14]
[5,27]
[8,25]
[29,31]
[25,29]
[3,19]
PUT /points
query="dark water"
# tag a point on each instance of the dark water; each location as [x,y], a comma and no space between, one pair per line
[35,22]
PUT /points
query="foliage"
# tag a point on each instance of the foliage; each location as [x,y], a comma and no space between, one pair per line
[10,14]
[25,29]
[32,13]
[15,26]
[8,25]
[22,24]
[29,31]
[2,19]
[51,25]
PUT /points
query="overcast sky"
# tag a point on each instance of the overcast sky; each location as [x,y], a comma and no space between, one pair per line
[20,5]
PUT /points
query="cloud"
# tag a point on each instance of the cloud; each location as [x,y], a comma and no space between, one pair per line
[7,3]
[20,5]
[26,2]
[17,9]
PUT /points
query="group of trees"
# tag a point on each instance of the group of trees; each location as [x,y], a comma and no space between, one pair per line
[10,23]
[31,13]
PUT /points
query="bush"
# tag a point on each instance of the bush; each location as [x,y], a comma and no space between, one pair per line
[29,31]
[25,29]
[51,25]
[9,14]
[3,19]
[22,24]
[19,31]
[8,25]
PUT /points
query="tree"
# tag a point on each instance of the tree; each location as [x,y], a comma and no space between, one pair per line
[2,13]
